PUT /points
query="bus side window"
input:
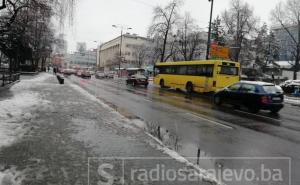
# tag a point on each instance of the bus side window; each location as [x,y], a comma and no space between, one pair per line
[182,70]
[192,70]
[162,70]
[209,70]
[201,70]
[171,70]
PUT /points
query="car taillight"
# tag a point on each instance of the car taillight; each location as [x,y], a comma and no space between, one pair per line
[264,99]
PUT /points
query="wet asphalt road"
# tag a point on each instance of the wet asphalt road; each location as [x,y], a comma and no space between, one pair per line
[219,132]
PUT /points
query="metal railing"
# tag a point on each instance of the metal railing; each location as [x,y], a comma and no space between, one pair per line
[7,77]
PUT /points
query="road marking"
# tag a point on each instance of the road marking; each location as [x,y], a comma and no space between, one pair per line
[211,121]
[257,115]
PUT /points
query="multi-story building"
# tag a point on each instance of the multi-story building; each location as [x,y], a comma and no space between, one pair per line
[134,52]
[286,42]
[84,58]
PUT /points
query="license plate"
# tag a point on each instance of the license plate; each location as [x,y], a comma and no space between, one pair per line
[276,98]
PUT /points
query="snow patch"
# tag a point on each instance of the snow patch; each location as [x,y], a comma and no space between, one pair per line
[292,101]
[11,177]
[13,113]
[40,78]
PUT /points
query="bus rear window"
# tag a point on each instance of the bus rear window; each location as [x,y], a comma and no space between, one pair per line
[228,70]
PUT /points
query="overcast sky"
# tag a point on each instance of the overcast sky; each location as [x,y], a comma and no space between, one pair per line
[94,18]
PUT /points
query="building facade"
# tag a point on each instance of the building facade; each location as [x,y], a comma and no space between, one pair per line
[86,58]
[135,52]
[285,41]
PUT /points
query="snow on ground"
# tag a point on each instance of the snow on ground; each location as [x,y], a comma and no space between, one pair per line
[10,177]
[292,101]
[136,124]
[15,111]
[40,78]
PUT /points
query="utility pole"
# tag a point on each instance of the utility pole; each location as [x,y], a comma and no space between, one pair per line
[121,27]
[209,29]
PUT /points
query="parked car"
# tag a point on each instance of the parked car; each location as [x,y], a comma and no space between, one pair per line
[100,75]
[137,79]
[253,95]
[110,74]
[69,72]
[83,74]
[290,86]
[91,72]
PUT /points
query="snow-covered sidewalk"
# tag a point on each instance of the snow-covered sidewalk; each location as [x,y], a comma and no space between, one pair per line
[15,110]
[50,131]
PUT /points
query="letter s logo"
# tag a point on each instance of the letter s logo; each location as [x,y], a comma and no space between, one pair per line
[104,174]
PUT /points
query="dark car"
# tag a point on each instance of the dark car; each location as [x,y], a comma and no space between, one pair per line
[253,95]
[290,86]
[137,79]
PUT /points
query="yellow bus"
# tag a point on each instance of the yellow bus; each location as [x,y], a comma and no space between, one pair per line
[197,76]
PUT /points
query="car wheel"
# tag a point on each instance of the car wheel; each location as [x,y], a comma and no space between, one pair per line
[217,100]
[189,87]
[162,84]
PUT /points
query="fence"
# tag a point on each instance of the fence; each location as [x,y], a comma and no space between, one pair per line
[7,77]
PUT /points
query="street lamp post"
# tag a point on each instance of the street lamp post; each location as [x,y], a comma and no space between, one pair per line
[209,29]
[121,27]
[98,55]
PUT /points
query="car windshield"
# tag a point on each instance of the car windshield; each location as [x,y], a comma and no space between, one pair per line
[138,76]
[272,89]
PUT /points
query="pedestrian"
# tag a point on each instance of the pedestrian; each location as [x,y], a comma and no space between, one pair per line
[273,78]
[48,68]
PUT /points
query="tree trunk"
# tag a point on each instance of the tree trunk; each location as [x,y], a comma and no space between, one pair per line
[296,67]
[162,59]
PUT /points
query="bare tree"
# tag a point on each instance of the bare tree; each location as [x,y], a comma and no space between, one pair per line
[239,23]
[189,40]
[140,54]
[162,27]
[287,15]
[25,29]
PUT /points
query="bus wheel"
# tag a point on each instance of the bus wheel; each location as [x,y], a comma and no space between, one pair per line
[189,87]
[162,84]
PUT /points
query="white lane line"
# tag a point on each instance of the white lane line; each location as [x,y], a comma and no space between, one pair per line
[257,115]
[211,121]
